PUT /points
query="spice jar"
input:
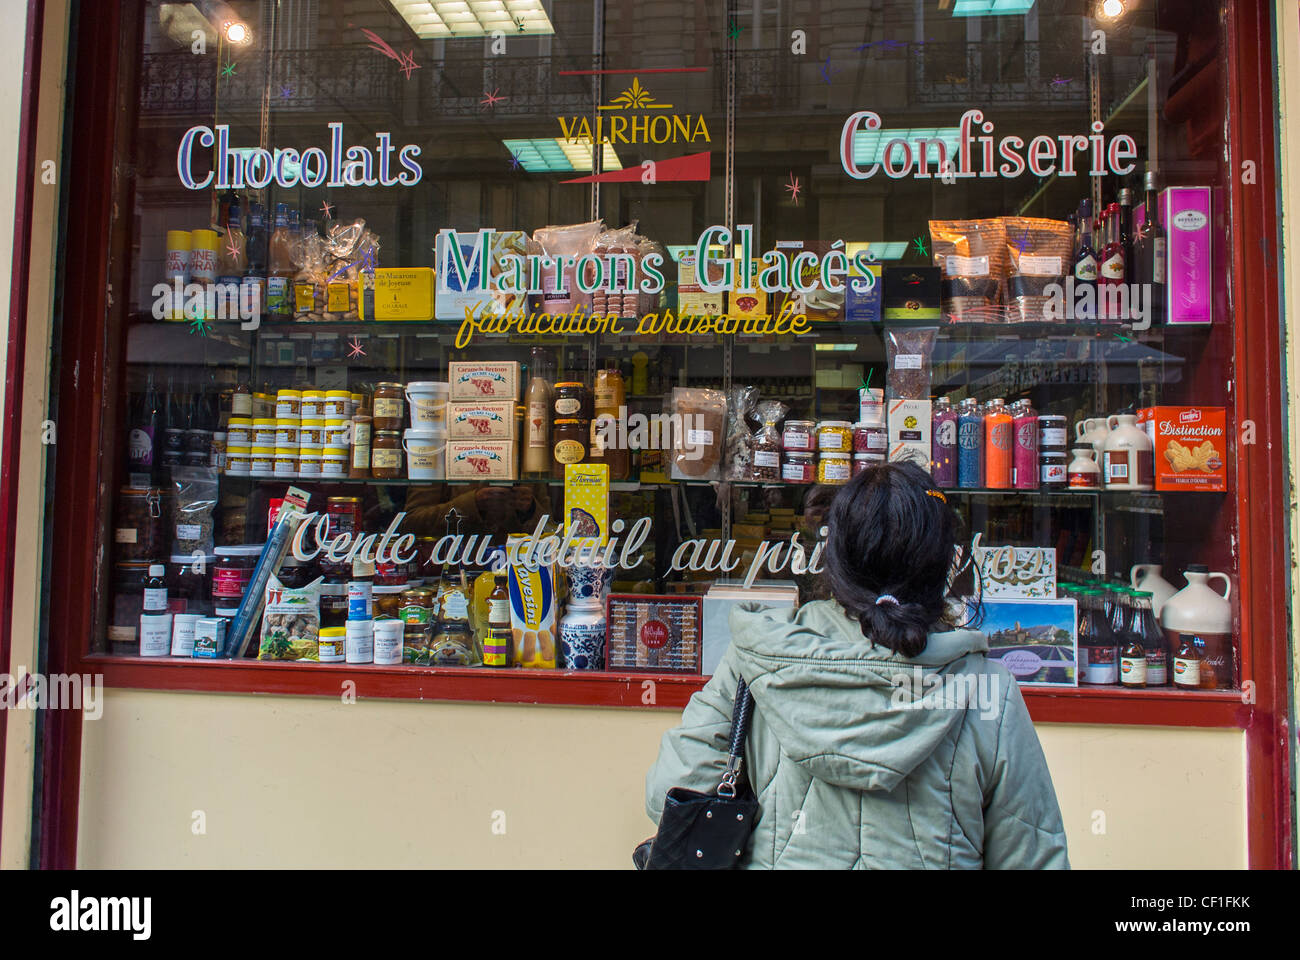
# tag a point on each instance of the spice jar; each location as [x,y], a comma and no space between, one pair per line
[137,531]
[568,445]
[389,409]
[835,436]
[311,435]
[799,436]
[570,401]
[861,461]
[799,468]
[336,433]
[238,461]
[834,468]
[239,432]
[262,462]
[386,455]
[286,432]
[264,430]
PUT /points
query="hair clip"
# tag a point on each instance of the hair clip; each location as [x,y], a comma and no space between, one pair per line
[938,495]
[886,598]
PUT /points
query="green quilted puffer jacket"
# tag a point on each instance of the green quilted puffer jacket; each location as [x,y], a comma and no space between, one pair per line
[865,759]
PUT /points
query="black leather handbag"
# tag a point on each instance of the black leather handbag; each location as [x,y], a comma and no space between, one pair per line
[707,831]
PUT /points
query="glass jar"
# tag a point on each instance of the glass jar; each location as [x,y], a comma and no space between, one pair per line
[868,438]
[386,598]
[241,401]
[834,468]
[386,455]
[286,463]
[835,436]
[568,445]
[799,436]
[128,603]
[263,406]
[231,572]
[309,464]
[362,437]
[391,573]
[333,602]
[137,531]
[189,581]
[416,606]
[862,461]
[345,515]
[799,467]
[389,409]
[570,402]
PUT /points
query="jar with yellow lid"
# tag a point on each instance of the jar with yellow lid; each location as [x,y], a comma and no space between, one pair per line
[263,432]
[331,644]
[311,434]
[834,468]
[288,405]
[263,406]
[261,462]
[336,405]
[334,462]
[313,404]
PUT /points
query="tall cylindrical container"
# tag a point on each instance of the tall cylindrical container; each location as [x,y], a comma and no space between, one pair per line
[1024,457]
[997,445]
[970,444]
[944,432]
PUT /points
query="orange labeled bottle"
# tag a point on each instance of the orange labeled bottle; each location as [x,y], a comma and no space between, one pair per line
[997,445]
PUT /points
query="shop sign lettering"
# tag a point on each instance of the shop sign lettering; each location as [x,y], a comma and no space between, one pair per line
[312,539]
[633,117]
[239,168]
[1044,156]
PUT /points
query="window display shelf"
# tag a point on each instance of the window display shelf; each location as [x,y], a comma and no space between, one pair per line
[1159,706]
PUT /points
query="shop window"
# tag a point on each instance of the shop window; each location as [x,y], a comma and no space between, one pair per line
[1012,231]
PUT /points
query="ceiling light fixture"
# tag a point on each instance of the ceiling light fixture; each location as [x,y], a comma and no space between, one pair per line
[1110,9]
[237,32]
[555,155]
[991,8]
[458,19]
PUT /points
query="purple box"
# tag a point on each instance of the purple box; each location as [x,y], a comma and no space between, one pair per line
[1188,219]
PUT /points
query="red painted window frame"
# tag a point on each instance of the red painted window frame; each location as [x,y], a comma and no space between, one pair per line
[84,379]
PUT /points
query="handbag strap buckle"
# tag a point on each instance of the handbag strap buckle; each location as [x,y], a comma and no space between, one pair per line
[727,788]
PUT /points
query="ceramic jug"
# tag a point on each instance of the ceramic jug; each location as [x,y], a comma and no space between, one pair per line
[1127,456]
[1205,615]
[1146,576]
[1092,431]
[1083,472]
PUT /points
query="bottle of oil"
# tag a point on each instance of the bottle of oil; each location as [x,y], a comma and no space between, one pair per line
[496,648]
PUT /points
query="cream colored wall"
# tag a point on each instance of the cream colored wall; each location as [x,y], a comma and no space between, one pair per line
[311,782]
[15,830]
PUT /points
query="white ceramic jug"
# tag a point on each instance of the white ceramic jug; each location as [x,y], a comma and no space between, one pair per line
[1083,472]
[1128,456]
[1206,615]
[1146,576]
[1092,431]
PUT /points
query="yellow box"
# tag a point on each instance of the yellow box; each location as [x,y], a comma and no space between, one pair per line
[533,615]
[401,293]
[586,501]
[747,303]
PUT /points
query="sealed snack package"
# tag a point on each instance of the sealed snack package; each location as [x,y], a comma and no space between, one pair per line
[766,441]
[908,355]
[699,425]
[352,254]
[291,621]
[193,501]
[1038,256]
[560,293]
[621,252]
[972,256]
[309,282]
[740,452]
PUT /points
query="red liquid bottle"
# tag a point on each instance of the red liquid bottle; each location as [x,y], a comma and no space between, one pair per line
[1113,271]
[1024,446]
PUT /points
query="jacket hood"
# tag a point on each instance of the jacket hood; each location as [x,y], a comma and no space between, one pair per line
[847,711]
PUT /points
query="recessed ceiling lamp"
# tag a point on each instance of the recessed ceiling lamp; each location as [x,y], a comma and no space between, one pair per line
[229,24]
[1110,9]
[991,8]
[455,19]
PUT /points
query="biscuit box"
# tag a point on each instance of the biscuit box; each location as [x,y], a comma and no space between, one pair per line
[489,420]
[1191,447]
[481,460]
[483,380]
[533,615]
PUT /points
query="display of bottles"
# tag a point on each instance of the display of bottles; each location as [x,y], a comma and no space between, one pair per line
[143,433]
[1098,651]
[944,432]
[279,281]
[1126,197]
[1149,251]
[1084,266]
[254,284]
[537,405]
[1187,663]
[1025,470]
[997,445]
[970,444]
[496,648]
[1112,270]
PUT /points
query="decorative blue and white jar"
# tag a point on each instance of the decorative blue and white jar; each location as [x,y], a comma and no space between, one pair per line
[587,584]
[582,637]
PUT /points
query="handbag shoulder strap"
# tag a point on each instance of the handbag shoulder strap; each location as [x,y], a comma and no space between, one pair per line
[741,712]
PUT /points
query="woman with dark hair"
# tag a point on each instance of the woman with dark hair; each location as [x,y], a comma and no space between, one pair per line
[882,735]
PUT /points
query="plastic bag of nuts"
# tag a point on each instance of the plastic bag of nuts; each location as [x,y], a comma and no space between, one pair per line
[766,442]
[309,282]
[350,249]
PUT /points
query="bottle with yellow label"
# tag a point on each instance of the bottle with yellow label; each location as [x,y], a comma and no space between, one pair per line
[496,647]
[568,445]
